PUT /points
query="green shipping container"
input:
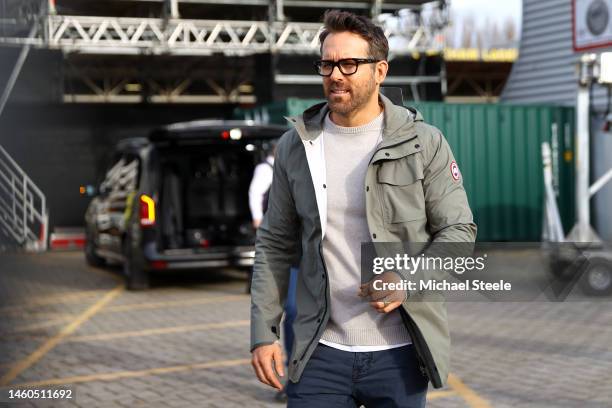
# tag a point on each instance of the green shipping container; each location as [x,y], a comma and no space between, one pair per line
[498,149]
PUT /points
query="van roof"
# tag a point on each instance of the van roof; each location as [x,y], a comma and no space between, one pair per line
[213,128]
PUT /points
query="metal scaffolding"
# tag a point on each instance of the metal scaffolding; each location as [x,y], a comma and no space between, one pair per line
[175,35]
[152,36]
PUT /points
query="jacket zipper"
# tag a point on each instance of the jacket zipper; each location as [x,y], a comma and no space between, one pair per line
[326,302]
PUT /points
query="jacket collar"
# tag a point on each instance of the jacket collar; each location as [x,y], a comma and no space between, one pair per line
[309,124]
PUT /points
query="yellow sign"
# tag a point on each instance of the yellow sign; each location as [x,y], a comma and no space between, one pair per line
[474,54]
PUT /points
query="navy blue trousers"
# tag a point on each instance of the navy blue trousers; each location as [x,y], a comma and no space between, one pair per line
[334,378]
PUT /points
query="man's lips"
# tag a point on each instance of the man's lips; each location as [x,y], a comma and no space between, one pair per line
[339,91]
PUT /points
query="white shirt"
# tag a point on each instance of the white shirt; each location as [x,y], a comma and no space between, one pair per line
[261,182]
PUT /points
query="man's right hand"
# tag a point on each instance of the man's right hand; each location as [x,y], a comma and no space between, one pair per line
[265,360]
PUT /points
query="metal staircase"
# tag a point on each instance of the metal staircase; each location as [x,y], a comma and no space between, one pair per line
[24,216]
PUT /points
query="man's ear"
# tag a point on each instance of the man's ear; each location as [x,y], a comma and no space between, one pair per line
[381,71]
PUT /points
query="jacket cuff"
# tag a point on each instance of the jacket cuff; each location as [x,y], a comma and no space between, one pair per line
[262,334]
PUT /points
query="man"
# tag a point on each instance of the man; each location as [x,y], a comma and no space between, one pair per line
[355,169]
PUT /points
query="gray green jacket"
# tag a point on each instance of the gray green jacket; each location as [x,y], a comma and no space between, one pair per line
[413,193]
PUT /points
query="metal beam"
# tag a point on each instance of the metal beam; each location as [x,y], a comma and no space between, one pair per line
[150,36]
[94,85]
[127,99]
[390,80]
[363,5]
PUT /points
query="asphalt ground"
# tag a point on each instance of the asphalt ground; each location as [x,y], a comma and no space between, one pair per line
[185,343]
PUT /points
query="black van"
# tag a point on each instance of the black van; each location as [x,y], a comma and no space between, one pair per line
[178,199]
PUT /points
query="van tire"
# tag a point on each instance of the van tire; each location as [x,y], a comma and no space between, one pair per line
[596,280]
[91,257]
[136,278]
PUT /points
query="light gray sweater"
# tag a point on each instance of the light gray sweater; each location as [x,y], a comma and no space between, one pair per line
[353,321]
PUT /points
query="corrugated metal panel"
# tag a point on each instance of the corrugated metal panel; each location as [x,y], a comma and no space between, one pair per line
[547,28]
[498,150]
[545,71]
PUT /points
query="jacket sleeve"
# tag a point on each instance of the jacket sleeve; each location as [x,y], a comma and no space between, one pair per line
[275,252]
[448,211]
[449,218]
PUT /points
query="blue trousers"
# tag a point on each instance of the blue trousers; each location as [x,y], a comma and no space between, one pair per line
[334,378]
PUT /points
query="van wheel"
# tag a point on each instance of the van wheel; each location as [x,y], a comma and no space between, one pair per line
[597,278]
[135,277]
[91,257]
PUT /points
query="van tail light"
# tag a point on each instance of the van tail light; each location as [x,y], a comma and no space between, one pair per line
[159,265]
[147,211]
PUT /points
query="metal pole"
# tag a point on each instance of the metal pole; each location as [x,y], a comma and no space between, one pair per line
[554,227]
[280,10]
[376,8]
[583,215]
[25,209]
[16,70]
[174,11]
[443,78]
[272,25]
[602,181]
[52,9]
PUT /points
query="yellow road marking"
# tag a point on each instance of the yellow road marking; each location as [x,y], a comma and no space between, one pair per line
[470,396]
[40,314]
[135,373]
[432,395]
[174,303]
[40,325]
[66,297]
[47,346]
[161,330]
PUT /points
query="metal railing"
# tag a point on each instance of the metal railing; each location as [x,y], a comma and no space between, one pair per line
[23,207]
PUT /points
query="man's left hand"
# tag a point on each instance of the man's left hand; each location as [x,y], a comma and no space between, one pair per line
[383,301]
[384,307]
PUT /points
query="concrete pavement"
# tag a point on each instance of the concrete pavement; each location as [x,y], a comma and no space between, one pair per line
[184,343]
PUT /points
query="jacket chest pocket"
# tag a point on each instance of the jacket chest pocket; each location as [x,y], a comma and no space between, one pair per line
[401,181]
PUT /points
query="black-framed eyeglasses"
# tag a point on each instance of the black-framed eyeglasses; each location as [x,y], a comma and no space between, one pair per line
[347,66]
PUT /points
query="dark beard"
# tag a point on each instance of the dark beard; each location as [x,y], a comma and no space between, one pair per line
[357,100]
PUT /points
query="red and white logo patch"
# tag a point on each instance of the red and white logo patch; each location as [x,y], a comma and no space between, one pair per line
[454,169]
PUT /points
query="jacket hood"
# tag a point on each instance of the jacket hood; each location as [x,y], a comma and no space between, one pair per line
[309,124]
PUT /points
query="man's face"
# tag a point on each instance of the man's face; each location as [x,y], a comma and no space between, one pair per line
[347,93]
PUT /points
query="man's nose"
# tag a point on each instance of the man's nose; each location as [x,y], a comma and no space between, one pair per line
[336,74]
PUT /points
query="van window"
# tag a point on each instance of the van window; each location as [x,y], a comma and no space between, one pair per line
[204,195]
[122,177]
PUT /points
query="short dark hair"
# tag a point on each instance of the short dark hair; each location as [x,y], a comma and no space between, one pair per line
[336,21]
